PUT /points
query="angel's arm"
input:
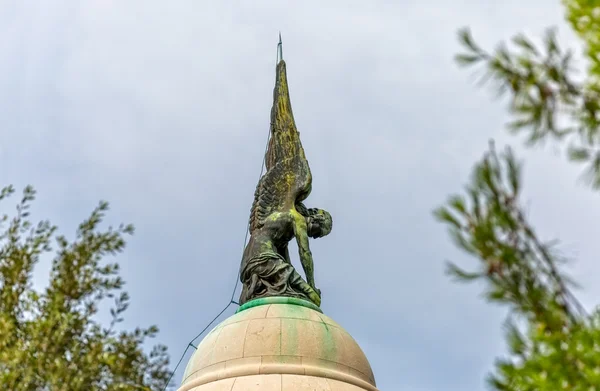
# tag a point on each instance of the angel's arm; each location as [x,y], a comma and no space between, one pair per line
[305,254]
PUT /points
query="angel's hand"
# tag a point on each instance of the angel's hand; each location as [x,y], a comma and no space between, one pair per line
[315,296]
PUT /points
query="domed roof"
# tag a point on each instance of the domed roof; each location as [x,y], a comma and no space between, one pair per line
[278,344]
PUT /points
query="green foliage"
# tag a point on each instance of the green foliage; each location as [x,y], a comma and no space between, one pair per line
[50,339]
[584,17]
[553,343]
[546,99]
[489,223]
[556,346]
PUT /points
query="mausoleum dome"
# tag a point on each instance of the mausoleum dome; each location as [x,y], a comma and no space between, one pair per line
[278,344]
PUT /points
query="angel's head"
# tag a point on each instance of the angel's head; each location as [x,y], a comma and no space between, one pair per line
[318,223]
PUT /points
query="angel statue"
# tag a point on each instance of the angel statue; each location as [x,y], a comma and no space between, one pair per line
[278,215]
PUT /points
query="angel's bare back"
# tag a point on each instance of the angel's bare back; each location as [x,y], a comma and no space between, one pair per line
[273,236]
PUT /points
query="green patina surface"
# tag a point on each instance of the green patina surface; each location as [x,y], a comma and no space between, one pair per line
[278,300]
[278,213]
[324,333]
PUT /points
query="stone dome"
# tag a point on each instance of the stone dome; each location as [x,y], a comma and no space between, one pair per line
[278,344]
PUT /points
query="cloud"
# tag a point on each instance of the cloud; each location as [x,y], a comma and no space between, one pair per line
[163,109]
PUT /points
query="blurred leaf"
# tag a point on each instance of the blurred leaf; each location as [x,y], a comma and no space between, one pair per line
[522,41]
[578,154]
[467,59]
[459,274]
[443,214]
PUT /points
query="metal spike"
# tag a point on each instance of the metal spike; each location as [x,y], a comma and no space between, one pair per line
[279,49]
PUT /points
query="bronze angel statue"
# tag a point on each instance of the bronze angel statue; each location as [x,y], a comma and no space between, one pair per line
[278,215]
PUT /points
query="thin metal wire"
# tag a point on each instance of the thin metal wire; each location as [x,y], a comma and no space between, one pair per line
[262,169]
[231,301]
[176,366]
[191,343]
[211,322]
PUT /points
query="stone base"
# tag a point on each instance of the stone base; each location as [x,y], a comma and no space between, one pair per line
[278,383]
[278,344]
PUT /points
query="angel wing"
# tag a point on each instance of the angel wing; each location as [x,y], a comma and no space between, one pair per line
[288,178]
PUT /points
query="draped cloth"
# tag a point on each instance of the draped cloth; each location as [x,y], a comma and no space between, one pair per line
[269,274]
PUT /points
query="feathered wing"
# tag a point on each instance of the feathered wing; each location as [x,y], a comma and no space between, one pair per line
[288,178]
[267,199]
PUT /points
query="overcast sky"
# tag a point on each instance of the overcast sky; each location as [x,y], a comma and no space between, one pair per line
[162,108]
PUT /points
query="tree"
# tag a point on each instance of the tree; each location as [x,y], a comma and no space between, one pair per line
[554,344]
[50,339]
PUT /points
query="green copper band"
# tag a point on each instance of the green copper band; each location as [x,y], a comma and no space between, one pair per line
[278,300]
